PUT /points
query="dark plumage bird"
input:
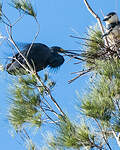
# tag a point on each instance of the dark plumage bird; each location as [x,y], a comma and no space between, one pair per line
[39,57]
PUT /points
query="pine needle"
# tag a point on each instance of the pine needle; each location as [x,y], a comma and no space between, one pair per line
[25,6]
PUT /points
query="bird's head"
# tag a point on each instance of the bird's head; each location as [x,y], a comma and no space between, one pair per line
[111,18]
[57,49]
[55,60]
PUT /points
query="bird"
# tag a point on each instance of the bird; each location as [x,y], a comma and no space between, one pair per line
[38,56]
[112,26]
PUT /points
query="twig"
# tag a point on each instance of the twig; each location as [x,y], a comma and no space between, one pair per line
[6,19]
[116,137]
[17,20]
[36,35]
[12,41]
[102,133]
[94,15]
[84,39]
[48,106]
[22,65]
[25,132]
[49,93]
[84,146]
[98,20]
[80,74]
[74,56]
[48,116]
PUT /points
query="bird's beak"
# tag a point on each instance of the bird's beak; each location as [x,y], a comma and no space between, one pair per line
[62,50]
[106,18]
[71,52]
[67,52]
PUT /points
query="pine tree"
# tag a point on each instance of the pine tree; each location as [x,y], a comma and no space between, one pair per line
[32,103]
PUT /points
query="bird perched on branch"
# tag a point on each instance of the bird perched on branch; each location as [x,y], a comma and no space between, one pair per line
[39,56]
[112,26]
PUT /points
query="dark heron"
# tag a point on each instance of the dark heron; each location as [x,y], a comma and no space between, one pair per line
[39,56]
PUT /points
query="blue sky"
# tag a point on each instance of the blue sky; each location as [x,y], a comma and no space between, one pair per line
[58,20]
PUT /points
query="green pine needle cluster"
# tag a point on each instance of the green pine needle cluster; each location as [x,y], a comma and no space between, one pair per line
[102,101]
[93,46]
[25,6]
[25,103]
[73,136]
[27,95]
[109,68]
[99,102]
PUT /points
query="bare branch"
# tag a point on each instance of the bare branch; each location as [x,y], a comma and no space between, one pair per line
[116,137]
[36,35]
[103,134]
[13,42]
[49,93]
[94,15]
[48,106]
[48,116]
[17,20]
[80,74]
[98,20]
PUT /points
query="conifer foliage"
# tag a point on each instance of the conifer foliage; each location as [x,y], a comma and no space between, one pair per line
[32,103]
